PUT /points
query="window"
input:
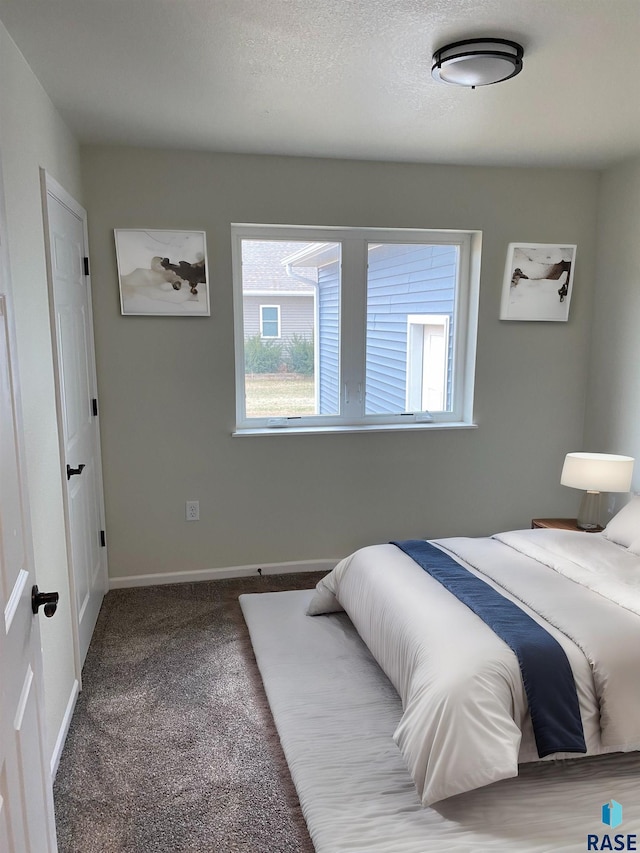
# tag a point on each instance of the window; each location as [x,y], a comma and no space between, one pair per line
[348,329]
[270,321]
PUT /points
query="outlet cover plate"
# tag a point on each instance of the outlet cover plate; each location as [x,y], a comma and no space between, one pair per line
[192,511]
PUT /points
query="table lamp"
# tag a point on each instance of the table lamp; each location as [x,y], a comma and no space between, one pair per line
[595,473]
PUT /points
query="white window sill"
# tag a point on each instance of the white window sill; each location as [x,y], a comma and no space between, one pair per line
[350,428]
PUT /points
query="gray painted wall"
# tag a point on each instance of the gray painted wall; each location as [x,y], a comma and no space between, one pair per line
[167,384]
[612,423]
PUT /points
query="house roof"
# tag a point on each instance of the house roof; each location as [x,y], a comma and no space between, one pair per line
[264,268]
[329,78]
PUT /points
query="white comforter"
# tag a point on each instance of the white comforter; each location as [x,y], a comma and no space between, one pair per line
[465,722]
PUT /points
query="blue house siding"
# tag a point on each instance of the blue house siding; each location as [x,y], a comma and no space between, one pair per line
[403,279]
[329,339]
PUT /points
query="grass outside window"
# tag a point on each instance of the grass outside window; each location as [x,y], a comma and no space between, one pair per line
[269,394]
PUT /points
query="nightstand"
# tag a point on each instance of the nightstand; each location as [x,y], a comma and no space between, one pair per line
[562,524]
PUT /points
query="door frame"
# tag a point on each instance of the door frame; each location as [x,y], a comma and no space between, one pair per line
[49,186]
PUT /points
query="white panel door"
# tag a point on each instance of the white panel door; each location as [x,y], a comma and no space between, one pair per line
[427,362]
[26,799]
[434,373]
[76,390]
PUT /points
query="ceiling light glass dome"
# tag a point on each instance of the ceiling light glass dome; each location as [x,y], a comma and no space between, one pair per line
[477,62]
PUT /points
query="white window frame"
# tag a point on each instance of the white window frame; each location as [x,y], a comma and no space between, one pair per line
[262,334]
[353,311]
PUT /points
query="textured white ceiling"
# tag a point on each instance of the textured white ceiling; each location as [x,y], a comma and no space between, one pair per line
[339,78]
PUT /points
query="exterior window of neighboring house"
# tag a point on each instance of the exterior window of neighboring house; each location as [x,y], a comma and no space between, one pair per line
[354,329]
[270,321]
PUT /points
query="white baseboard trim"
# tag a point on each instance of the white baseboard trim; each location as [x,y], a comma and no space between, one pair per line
[64,729]
[219,574]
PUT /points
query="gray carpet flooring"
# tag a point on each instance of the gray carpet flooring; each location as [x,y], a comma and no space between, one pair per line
[172,745]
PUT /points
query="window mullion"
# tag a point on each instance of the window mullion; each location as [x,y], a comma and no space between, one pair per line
[353,326]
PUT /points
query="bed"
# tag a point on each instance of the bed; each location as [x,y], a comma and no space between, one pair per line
[466,718]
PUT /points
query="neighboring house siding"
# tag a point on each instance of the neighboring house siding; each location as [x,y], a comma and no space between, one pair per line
[419,281]
[265,282]
[296,314]
[328,339]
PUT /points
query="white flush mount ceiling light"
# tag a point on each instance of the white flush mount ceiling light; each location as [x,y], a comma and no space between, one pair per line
[477,62]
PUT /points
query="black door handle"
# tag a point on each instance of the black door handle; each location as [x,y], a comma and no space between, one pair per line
[71,471]
[49,599]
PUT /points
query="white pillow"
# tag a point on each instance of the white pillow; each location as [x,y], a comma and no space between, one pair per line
[635,547]
[324,601]
[624,527]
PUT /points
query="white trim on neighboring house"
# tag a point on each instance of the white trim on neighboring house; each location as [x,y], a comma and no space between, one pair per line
[325,565]
[317,254]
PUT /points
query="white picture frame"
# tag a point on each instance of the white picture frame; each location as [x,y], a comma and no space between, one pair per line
[538,282]
[162,273]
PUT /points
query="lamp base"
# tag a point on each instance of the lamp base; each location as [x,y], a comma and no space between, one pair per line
[589,512]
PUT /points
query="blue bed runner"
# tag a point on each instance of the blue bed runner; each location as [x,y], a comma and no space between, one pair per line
[546,672]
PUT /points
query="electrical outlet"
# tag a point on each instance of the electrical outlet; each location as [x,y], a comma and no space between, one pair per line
[192,511]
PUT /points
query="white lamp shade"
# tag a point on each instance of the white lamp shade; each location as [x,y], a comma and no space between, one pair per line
[597,472]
